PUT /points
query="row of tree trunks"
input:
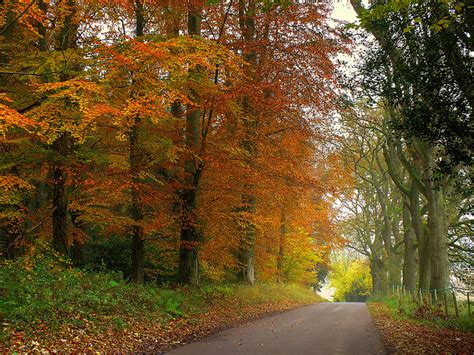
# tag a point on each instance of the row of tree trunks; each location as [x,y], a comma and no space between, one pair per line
[433,264]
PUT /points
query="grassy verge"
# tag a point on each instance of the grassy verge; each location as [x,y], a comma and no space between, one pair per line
[405,308]
[48,305]
[415,330]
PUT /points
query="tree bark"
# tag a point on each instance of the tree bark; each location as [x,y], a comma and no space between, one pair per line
[60,202]
[409,250]
[188,270]
[247,25]
[438,244]
[437,229]
[281,244]
[66,40]
[136,165]
[377,272]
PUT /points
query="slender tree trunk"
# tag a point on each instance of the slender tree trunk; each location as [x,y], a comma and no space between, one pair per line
[409,257]
[188,270]
[60,203]
[136,212]
[281,244]
[247,25]
[136,162]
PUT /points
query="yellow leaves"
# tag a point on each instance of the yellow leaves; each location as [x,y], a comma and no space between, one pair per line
[24,12]
[12,189]
[301,257]
[10,118]
[350,277]
[69,106]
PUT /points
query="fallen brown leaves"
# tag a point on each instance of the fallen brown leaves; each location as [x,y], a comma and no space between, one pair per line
[402,336]
[144,335]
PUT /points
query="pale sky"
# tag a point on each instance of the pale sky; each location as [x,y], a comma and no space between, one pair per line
[343,11]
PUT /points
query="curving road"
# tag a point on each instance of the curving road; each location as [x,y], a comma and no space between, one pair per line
[324,328]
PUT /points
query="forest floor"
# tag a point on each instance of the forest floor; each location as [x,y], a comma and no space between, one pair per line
[402,335]
[47,305]
[186,315]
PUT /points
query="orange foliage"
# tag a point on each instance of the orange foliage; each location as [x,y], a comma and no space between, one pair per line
[113,78]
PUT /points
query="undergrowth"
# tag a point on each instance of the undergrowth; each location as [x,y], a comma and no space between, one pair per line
[42,289]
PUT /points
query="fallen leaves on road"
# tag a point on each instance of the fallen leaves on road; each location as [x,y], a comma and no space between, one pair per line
[402,336]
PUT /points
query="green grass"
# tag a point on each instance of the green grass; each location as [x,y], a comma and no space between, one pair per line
[406,308]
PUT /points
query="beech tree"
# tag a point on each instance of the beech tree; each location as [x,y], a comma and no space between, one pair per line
[429,113]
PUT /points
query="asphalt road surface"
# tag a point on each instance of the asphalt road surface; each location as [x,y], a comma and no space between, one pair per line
[324,328]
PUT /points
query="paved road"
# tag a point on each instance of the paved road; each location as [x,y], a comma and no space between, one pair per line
[325,328]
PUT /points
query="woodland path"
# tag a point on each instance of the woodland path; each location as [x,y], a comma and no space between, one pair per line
[324,328]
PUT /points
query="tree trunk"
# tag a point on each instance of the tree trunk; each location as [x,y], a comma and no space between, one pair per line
[281,244]
[66,40]
[437,229]
[395,262]
[437,240]
[136,162]
[409,257]
[422,238]
[60,202]
[188,271]
[138,245]
[377,272]
[247,25]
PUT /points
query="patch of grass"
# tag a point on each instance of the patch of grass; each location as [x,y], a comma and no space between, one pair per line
[407,309]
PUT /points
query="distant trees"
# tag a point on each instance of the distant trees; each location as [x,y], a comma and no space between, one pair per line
[350,277]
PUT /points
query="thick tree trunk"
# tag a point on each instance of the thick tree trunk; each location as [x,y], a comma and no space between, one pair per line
[437,240]
[188,271]
[437,228]
[66,40]
[409,250]
[377,271]
[422,238]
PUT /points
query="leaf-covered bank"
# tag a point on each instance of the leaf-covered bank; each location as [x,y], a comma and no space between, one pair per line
[403,335]
[48,305]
